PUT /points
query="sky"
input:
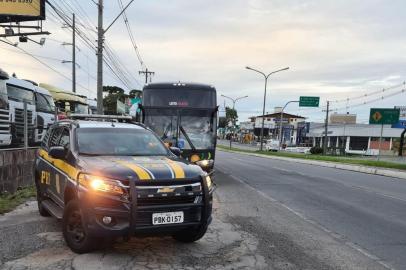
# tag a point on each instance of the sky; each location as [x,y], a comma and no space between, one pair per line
[337,50]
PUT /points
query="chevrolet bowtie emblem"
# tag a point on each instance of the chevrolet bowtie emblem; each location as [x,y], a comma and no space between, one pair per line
[166,190]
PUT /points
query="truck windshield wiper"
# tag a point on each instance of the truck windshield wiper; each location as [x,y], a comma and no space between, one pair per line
[187,138]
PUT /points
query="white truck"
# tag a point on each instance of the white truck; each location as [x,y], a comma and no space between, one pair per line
[5,133]
[20,91]
[45,108]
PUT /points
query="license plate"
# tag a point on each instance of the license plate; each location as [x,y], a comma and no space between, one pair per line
[167,218]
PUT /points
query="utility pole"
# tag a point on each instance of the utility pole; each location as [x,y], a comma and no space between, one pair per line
[100,41]
[147,74]
[73,44]
[326,129]
[74,53]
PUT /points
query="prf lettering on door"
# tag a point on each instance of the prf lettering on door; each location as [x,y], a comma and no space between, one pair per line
[45,178]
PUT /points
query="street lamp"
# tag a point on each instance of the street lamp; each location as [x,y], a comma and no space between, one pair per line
[234,101]
[263,109]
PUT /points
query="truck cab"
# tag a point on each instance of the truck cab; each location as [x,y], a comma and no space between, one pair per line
[67,102]
[5,135]
[20,91]
[45,107]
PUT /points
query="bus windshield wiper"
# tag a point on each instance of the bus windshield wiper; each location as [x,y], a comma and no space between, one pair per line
[187,138]
[166,131]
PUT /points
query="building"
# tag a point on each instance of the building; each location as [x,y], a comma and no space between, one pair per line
[356,138]
[343,118]
[293,127]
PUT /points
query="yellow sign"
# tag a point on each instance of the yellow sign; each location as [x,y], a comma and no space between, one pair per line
[20,8]
[377,116]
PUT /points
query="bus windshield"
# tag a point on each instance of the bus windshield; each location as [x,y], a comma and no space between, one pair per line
[196,131]
[187,129]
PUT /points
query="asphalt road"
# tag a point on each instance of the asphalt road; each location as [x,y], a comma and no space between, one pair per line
[365,211]
[268,215]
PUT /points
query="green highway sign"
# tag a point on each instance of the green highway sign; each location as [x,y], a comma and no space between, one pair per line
[379,116]
[309,101]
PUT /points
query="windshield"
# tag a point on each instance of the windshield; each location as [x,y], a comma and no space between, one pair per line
[119,142]
[196,132]
[164,123]
[80,108]
[45,103]
[186,129]
[20,94]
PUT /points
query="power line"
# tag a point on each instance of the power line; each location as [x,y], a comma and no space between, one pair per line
[48,66]
[130,34]
[370,94]
[88,43]
[36,55]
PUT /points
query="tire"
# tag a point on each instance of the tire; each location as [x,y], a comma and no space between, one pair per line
[74,230]
[41,209]
[191,235]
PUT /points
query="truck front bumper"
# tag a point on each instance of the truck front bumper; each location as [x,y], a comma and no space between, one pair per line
[135,216]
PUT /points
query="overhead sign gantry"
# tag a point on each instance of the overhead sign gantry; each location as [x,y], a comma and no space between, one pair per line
[13,13]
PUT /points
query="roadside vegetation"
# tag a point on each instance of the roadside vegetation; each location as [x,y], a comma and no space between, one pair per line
[8,202]
[337,159]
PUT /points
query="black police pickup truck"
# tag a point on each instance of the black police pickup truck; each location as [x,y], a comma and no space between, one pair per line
[107,178]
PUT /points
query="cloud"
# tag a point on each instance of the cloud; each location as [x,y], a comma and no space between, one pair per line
[335,49]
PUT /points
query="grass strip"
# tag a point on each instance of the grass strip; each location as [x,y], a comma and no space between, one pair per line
[336,159]
[8,202]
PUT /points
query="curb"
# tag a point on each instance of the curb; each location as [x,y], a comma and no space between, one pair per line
[348,167]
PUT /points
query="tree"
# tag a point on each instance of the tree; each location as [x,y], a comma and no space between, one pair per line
[231,116]
[110,101]
[113,89]
[222,122]
[135,93]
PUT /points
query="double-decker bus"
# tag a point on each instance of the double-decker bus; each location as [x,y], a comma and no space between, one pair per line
[184,115]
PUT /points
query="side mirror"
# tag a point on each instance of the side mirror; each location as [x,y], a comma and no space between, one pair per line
[176,151]
[57,152]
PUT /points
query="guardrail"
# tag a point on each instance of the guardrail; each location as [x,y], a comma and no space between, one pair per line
[16,168]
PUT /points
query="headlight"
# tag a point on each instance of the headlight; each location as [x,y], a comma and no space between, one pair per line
[205,163]
[101,184]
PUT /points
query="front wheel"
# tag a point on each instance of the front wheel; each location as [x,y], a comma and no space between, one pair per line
[74,230]
[191,235]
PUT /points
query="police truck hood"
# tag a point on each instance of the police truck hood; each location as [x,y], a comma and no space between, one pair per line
[146,168]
